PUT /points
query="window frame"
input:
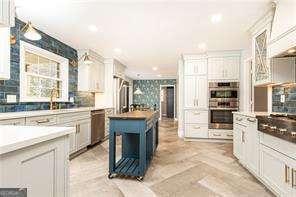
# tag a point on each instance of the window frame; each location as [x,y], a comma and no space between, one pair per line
[64,73]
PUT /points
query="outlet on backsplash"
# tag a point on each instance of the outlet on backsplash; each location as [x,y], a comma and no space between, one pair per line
[283,98]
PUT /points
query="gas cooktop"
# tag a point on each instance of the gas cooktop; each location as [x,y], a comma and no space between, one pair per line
[279,125]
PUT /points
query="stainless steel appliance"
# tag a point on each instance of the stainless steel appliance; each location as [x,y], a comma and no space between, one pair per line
[223,101]
[97,126]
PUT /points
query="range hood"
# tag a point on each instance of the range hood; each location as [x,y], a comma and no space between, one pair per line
[283,34]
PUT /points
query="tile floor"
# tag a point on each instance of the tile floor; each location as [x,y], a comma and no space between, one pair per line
[179,169]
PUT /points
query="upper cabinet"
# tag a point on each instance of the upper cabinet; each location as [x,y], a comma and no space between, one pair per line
[4,53]
[119,69]
[283,35]
[7,13]
[260,32]
[195,67]
[91,77]
[224,67]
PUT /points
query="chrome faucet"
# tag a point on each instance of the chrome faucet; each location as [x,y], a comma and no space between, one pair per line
[53,96]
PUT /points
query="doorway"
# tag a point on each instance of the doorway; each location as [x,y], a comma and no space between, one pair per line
[167,101]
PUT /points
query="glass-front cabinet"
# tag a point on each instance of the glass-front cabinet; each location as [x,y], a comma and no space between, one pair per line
[260,38]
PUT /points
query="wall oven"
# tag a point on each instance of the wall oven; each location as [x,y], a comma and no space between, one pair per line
[223,101]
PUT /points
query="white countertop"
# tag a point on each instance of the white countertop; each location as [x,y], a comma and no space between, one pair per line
[24,114]
[16,137]
[251,114]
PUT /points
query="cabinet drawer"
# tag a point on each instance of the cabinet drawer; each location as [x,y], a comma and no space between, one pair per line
[195,116]
[220,134]
[16,121]
[70,117]
[42,120]
[196,131]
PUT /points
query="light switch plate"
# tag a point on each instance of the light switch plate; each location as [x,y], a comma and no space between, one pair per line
[11,98]
[283,98]
[71,99]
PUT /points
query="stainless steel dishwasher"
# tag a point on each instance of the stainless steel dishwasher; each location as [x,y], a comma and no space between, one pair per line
[97,126]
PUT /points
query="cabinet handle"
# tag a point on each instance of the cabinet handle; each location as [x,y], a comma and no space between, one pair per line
[243,137]
[196,102]
[196,113]
[42,121]
[216,135]
[229,135]
[196,127]
[287,176]
[239,119]
[251,120]
[293,178]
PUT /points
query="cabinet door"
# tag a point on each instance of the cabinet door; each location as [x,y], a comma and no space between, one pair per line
[215,68]
[83,134]
[4,53]
[273,170]
[231,67]
[195,67]
[7,13]
[72,136]
[252,146]
[201,89]
[189,91]
[237,141]
[196,131]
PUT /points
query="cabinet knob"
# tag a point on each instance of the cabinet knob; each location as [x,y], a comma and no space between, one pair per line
[287,175]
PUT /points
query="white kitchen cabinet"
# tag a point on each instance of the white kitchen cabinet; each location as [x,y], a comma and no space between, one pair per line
[224,68]
[196,116]
[195,67]
[15,121]
[50,120]
[83,134]
[108,112]
[275,171]
[196,92]
[7,13]
[119,69]
[41,168]
[252,145]
[4,53]
[91,77]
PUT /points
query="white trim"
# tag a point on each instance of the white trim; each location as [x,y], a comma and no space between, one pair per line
[64,63]
[174,86]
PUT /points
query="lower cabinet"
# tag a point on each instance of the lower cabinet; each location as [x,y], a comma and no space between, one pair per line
[82,137]
[196,123]
[41,168]
[83,134]
[246,142]
[278,172]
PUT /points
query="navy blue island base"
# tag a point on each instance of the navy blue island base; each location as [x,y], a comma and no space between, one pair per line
[139,131]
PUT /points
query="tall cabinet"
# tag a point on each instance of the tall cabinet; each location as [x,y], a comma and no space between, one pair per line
[195,97]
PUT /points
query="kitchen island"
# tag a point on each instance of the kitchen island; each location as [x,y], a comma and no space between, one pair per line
[35,158]
[139,131]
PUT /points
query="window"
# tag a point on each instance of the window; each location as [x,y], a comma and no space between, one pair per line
[42,73]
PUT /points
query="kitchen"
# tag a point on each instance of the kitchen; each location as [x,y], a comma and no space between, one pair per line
[85,112]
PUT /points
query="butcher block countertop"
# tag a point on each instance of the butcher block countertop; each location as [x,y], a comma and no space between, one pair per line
[135,115]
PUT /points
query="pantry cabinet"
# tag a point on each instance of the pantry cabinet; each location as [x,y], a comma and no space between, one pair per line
[195,93]
[7,13]
[4,53]
[91,77]
[224,68]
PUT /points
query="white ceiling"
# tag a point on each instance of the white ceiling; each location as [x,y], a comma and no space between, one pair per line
[150,33]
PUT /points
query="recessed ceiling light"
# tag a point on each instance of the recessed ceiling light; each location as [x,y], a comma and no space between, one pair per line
[159,75]
[202,46]
[117,50]
[93,28]
[291,50]
[216,18]
[154,68]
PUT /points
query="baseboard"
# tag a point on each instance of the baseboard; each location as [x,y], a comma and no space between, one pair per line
[207,140]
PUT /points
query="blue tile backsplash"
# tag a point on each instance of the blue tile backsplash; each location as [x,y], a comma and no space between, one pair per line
[289,106]
[151,91]
[12,86]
